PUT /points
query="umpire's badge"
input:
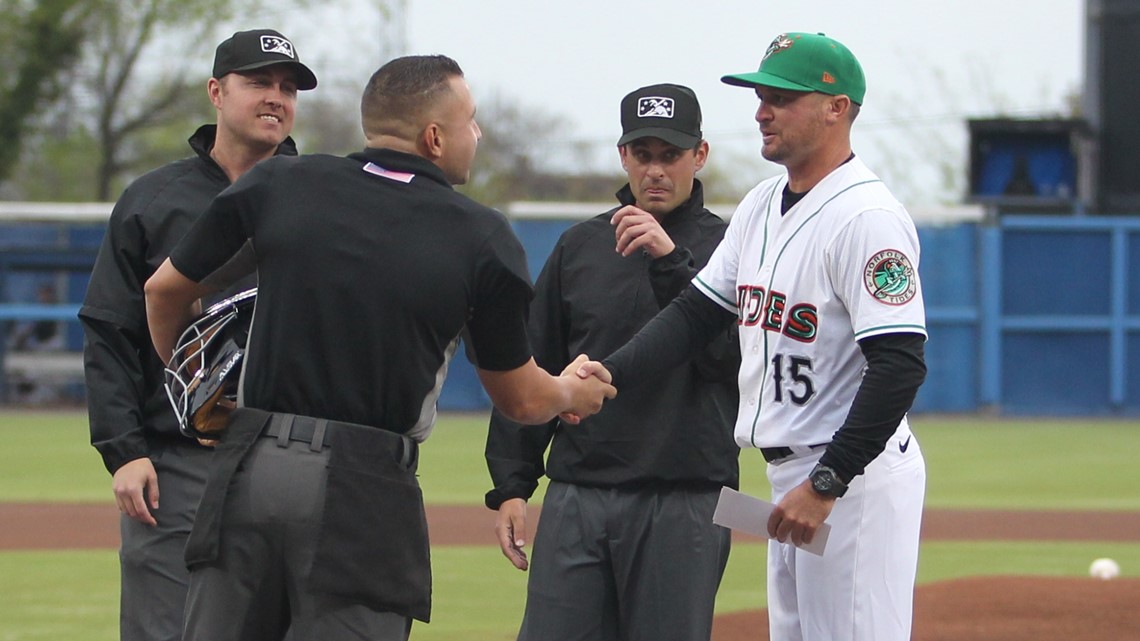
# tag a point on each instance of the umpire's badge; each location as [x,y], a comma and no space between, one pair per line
[890,277]
[655,107]
[277,44]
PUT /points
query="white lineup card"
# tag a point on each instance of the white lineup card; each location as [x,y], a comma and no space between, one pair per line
[750,514]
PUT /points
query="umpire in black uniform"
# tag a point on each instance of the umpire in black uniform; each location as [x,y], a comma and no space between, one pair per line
[370,268]
[256,76]
[626,548]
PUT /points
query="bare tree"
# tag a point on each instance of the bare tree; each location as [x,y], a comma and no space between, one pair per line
[138,84]
[38,42]
[328,120]
[169,35]
[524,155]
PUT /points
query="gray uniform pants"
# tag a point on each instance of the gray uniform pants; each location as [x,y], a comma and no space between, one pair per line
[624,565]
[268,542]
[154,577]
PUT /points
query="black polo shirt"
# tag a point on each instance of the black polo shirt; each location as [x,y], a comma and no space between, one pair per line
[370,266]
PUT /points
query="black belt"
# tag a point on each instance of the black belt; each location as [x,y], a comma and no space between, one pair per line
[289,427]
[306,429]
[773,454]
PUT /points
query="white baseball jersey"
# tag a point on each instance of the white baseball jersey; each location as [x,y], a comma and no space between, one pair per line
[839,266]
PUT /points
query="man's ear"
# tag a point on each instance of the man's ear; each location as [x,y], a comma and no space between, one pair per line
[702,155]
[838,106]
[432,140]
[214,91]
[622,153]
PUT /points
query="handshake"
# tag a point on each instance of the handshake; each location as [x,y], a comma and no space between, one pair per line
[589,384]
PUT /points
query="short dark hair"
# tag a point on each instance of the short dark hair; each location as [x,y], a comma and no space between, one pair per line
[399,93]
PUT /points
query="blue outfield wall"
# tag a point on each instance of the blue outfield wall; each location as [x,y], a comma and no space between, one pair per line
[950,291]
[47,254]
[1036,315]
[1065,335]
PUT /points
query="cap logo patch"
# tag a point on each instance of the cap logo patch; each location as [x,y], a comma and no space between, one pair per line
[828,78]
[654,107]
[277,44]
[889,277]
[781,42]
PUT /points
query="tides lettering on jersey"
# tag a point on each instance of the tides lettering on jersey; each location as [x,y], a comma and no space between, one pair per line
[771,312]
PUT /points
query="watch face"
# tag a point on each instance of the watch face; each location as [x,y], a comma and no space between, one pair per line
[823,481]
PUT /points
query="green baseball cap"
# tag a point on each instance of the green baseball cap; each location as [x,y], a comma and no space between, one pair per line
[806,62]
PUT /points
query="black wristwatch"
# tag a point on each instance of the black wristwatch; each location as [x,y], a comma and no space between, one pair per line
[825,481]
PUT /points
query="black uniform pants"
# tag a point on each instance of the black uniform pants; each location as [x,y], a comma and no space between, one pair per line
[273,538]
[153,574]
[624,565]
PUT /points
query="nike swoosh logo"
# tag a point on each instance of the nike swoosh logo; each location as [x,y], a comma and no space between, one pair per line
[905,444]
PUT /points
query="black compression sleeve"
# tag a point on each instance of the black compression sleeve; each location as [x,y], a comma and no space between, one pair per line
[896,368]
[675,335]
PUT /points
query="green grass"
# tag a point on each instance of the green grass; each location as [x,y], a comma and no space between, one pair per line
[452,469]
[49,596]
[944,560]
[1042,464]
[478,596]
[972,463]
[47,456]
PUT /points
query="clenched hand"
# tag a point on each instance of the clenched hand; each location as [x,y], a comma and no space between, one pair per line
[132,484]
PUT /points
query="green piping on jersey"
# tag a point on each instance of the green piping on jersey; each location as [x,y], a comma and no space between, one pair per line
[764,248]
[709,289]
[767,217]
[775,264]
[920,329]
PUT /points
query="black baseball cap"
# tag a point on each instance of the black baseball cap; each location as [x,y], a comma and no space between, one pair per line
[669,112]
[248,50]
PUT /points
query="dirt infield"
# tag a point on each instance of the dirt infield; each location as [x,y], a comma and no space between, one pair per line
[974,609]
[999,609]
[47,526]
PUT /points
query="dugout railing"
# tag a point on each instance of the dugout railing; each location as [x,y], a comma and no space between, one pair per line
[53,244]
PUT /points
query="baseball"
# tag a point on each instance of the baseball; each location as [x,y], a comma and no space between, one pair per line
[1104,569]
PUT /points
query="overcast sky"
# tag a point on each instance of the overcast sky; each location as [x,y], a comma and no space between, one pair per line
[928,65]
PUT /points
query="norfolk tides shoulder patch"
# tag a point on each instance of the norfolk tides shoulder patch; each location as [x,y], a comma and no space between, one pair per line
[889,277]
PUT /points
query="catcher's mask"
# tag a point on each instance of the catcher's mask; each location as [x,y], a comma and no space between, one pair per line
[202,377]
